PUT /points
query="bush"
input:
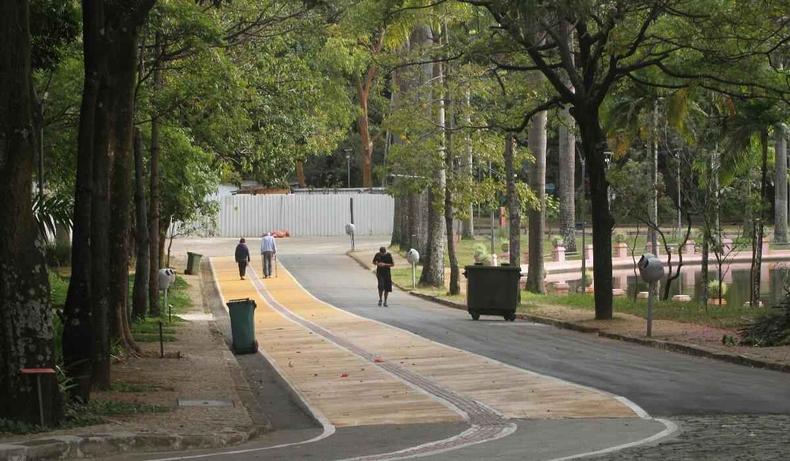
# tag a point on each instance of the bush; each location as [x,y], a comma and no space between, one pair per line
[58,254]
[769,330]
[713,289]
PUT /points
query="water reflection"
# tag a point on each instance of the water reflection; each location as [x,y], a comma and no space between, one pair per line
[773,278]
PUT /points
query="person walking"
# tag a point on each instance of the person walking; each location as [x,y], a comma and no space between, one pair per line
[383,262]
[242,257]
[268,249]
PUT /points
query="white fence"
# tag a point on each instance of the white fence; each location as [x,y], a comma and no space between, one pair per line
[304,215]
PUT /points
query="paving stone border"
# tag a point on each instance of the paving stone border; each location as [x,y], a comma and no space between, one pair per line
[104,444]
[656,343]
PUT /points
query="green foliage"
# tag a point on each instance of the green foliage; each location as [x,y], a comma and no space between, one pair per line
[713,289]
[770,329]
[57,253]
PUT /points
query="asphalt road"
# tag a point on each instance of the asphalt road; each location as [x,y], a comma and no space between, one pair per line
[663,383]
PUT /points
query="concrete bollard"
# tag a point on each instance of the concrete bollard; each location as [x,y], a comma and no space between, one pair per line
[766,247]
[588,252]
[560,287]
[681,298]
[620,250]
[618,292]
[643,295]
[558,254]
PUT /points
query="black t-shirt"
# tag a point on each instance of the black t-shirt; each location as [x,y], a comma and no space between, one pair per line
[383,258]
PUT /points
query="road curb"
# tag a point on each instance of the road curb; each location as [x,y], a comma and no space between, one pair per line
[105,444]
[649,342]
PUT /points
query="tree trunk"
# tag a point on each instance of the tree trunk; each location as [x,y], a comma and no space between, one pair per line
[757,251]
[300,179]
[468,223]
[513,203]
[433,270]
[567,183]
[593,146]
[780,181]
[100,238]
[366,144]
[537,218]
[124,68]
[154,210]
[141,270]
[77,325]
[652,211]
[26,318]
[446,110]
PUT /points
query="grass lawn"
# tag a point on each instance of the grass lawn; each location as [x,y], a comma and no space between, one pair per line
[714,316]
[146,330]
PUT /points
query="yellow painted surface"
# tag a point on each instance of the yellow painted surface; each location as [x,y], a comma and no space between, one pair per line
[359,399]
[316,368]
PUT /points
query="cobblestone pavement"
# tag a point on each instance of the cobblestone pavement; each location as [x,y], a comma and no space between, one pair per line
[730,437]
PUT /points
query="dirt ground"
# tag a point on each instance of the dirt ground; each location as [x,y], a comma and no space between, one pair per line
[198,367]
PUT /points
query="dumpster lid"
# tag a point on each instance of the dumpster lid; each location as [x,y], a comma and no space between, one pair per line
[240,300]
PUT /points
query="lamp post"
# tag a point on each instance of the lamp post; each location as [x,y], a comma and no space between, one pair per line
[607,158]
[348,166]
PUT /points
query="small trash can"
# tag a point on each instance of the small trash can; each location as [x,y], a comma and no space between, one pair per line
[492,290]
[193,263]
[242,325]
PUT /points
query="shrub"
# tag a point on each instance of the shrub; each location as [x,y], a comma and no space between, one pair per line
[713,289]
[58,254]
[557,241]
[770,329]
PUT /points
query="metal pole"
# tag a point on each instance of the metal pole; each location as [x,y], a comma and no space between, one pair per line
[348,169]
[493,250]
[680,221]
[413,275]
[584,256]
[161,342]
[40,400]
[650,298]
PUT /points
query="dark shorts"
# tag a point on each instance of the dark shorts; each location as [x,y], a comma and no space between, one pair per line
[385,281]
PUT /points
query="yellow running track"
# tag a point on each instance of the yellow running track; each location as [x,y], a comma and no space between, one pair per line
[349,390]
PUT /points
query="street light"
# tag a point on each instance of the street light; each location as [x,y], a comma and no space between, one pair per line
[348,166]
[607,158]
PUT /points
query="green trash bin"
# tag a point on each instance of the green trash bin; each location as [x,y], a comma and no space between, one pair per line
[193,263]
[242,325]
[492,290]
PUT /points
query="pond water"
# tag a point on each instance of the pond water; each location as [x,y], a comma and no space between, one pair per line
[774,278]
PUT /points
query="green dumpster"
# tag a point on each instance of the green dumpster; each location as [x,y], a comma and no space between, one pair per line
[193,263]
[492,290]
[242,325]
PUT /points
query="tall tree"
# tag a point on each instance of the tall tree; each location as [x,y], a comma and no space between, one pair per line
[780,184]
[141,272]
[537,216]
[105,145]
[27,333]
[512,199]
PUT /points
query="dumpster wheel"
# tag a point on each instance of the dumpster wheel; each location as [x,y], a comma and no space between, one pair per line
[510,317]
[475,315]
